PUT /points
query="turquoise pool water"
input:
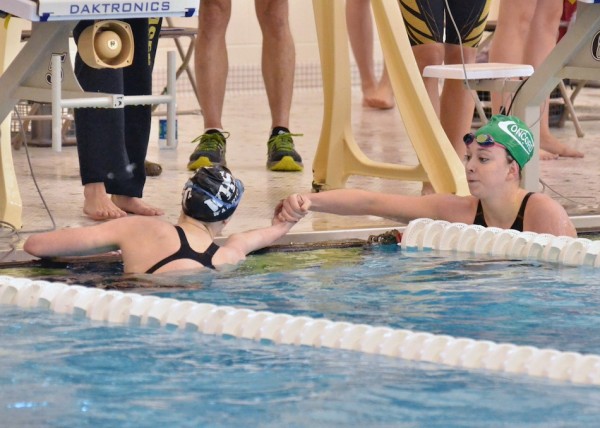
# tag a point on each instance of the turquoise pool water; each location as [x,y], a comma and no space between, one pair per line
[61,370]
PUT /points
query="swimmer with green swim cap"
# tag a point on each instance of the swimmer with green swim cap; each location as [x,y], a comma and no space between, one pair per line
[508,131]
[493,173]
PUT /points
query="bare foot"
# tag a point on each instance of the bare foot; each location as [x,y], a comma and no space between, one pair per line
[380,97]
[368,91]
[135,205]
[544,155]
[551,144]
[97,205]
[427,189]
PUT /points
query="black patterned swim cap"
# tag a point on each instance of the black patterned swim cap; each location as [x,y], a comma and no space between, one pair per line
[211,194]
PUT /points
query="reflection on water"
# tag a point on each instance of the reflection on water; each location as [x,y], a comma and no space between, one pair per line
[183,378]
[107,272]
[518,301]
[70,373]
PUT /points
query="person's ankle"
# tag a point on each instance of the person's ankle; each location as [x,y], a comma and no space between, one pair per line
[94,190]
[213,131]
[278,130]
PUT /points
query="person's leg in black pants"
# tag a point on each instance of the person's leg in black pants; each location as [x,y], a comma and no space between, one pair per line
[112,143]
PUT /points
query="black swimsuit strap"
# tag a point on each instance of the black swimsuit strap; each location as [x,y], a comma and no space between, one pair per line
[186,252]
[210,252]
[479,217]
[517,224]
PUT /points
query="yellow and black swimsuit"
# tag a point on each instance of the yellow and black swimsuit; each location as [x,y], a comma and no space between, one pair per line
[428,21]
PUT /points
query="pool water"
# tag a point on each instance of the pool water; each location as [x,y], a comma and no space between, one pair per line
[61,370]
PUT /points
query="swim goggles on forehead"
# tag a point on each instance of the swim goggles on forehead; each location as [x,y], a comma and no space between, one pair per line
[485,140]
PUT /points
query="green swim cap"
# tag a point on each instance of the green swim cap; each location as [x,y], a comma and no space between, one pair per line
[513,134]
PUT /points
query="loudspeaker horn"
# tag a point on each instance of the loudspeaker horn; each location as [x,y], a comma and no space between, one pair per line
[107,44]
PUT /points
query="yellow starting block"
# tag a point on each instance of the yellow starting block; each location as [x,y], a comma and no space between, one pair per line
[11,206]
[338,156]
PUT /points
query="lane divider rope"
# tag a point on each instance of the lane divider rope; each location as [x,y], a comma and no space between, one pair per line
[427,234]
[132,308]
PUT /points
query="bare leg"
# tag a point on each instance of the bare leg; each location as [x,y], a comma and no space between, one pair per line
[544,30]
[550,144]
[211,59]
[510,38]
[360,32]
[135,205]
[384,95]
[278,58]
[526,33]
[97,205]
[456,103]
[430,54]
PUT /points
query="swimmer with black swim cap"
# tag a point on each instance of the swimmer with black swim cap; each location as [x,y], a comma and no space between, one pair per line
[150,245]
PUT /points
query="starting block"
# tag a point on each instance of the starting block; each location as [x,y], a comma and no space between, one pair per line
[493,77]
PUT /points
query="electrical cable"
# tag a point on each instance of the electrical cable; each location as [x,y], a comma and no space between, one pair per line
[462,53]
[24,136]
[567,198]
[8,231]
[507,112]
[14,233]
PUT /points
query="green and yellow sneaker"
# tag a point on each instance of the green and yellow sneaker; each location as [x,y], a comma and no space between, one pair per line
[281,155]
[209,151]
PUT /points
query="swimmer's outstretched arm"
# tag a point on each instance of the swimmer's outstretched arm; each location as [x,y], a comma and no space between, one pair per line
[238,245]
[363,202]
[79,241]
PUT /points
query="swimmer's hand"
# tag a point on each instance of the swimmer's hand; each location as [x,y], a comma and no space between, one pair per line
[293,208]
